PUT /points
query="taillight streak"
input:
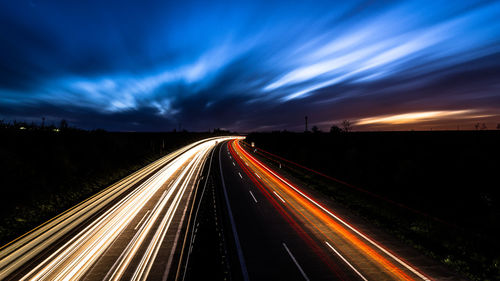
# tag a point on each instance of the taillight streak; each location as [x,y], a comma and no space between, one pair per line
[300,230]
[355,241]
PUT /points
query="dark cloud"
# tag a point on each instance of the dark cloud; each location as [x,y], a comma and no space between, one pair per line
[130,65]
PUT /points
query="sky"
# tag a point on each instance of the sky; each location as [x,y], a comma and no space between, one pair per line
[251,65]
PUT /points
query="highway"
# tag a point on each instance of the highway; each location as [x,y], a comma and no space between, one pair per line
[285,234]
[210,210]
[132,230]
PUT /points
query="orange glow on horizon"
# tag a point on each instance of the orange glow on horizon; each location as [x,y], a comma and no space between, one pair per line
[414,117]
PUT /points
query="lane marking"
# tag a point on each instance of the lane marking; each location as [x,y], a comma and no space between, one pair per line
[279,197]
[381,248]
[234,164]
[233,227]
[135,228]
[347,262]
[176,240]
[253,196]
[258,176]
[142,271]
[240,174]
[88,245]
[62,223]
[193,235]
[296,263]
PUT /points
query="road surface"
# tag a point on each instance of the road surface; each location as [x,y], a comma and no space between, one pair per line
[285,234]
[210,210]
[129,231]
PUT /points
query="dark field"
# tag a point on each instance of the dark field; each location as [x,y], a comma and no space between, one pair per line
[44,172]
[437,191]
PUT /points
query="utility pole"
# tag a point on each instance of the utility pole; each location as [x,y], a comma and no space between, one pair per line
[306,124]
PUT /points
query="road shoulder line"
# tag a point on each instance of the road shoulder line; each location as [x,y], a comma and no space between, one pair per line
[233,226]
[295,261]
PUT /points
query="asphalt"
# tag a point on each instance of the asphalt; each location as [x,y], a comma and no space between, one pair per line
[284,234]
[274,248]
[134,230]
[214,214]
[431,267]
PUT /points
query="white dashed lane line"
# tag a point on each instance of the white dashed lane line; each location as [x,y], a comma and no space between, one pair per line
[135,228]
[253,196]
[279,197]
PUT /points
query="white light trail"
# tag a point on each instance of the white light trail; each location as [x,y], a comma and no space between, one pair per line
[72,260]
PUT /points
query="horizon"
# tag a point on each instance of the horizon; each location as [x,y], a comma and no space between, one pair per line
[20,125]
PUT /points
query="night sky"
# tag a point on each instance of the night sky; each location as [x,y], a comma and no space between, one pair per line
[251,65]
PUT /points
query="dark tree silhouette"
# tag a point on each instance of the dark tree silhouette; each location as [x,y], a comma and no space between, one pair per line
[335,129]
[346,126]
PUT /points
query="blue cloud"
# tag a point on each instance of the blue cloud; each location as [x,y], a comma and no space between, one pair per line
[245,64]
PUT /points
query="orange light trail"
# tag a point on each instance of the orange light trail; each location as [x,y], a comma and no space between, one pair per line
[317,217]
[298,228]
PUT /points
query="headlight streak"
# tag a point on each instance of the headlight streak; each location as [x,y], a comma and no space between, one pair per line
[191,224]
[130,253]
[142,271]
[95,239]
[323,217]
[132,241]
[30,244]
[73,259]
